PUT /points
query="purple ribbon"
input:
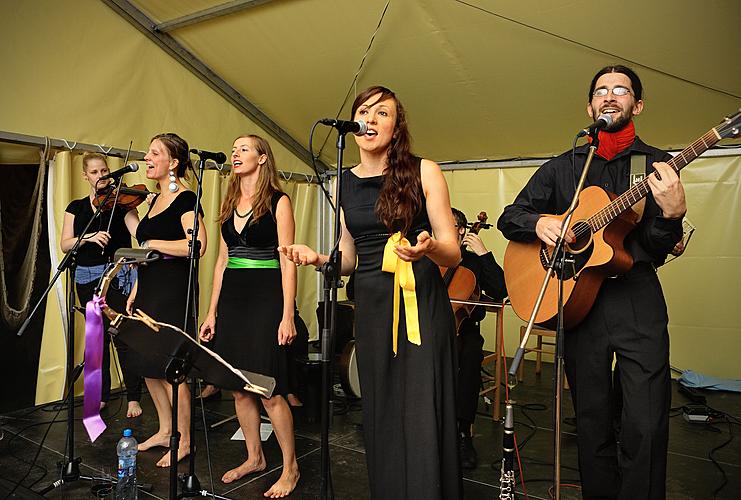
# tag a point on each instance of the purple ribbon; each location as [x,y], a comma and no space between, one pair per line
[94,425]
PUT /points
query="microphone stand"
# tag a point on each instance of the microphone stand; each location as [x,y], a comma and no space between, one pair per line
[70,466]
[190,482]
[556,264]
[331,271]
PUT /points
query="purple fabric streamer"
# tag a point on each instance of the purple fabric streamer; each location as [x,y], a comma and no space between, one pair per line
[91,419]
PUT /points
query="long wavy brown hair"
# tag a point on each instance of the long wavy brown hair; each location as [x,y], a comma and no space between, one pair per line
[267,184]
[401,195]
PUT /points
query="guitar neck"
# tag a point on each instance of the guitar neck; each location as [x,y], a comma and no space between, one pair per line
[640,189]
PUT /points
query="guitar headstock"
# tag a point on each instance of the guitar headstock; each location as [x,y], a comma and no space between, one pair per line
[730,126]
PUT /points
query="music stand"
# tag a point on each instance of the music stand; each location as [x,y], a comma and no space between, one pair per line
[185,355]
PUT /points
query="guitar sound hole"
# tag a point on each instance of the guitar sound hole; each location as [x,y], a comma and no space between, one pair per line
[583,234]
[573,264]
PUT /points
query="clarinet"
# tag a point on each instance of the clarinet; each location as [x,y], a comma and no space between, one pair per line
[507,477]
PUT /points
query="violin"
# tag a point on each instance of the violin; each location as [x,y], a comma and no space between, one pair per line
[127,198]
[461,282]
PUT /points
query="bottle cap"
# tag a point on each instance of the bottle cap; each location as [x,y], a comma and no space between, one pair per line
[127,433]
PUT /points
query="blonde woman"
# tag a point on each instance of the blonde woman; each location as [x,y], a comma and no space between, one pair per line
[251,313]
[96,250]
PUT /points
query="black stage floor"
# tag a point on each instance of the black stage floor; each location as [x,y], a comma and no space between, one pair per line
[691,473]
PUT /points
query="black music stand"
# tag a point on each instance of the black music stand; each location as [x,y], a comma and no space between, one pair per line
[186,357]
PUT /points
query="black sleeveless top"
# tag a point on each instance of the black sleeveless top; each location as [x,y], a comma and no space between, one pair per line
[358,201]
[259,239]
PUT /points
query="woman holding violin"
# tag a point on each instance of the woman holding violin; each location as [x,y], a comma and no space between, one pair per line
[392,203]
[113,230]
[489,278]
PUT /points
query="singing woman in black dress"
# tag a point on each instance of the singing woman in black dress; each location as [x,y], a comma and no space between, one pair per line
[251,314]
[162,286]
[95,252]
[407,377]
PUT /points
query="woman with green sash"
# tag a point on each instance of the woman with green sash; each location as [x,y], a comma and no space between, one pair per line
[251,313]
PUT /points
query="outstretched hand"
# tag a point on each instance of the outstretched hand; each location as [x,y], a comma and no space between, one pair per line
[301,255]
[423,246]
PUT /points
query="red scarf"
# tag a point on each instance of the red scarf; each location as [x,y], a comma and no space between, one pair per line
[611,143]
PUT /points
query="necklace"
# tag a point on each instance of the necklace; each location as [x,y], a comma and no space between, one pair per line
[240,215]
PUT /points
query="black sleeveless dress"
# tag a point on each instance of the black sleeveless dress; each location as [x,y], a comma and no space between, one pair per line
[161,289]
[409,413]
[250,304]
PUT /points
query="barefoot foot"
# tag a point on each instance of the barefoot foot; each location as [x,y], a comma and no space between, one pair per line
[248,467]
[183,451]
[293,400]
[134,409]
[285,484]
[159,439]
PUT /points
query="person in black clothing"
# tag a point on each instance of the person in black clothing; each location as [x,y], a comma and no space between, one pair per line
[490,278]
[629,318]
[96,250]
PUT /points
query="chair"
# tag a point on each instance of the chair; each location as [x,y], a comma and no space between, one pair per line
[539,333]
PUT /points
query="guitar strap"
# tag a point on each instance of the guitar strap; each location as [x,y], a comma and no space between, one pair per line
[637,174]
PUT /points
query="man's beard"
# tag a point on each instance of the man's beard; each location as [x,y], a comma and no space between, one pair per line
[619,120]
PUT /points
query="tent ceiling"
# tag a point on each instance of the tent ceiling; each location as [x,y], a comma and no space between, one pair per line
[479,78]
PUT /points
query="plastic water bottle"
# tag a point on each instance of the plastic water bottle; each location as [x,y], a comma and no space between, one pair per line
[126,450]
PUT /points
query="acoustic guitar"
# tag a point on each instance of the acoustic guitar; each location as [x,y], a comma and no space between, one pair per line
[600,223]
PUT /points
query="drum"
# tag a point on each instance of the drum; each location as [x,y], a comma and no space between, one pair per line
[348,368]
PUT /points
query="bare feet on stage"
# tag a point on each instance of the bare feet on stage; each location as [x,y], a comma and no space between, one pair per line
[134,409]
[248,467]
[154,441]
[293,400]
[183,451]
[285,484]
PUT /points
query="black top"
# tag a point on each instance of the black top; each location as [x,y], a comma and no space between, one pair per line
[360,216]
[166,225]
[91,254]
[551,188]
[489,277]
[257,240]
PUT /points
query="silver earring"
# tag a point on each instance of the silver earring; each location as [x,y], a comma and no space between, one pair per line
[173,187]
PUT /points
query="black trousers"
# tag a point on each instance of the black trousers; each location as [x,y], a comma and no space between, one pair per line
[470,355]
[132,380]
[628,321]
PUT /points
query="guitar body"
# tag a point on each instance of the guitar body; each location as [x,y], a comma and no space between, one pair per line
[596,256]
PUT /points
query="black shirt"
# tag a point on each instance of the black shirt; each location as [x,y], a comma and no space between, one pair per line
[551,188]
[167,225]
[91,254]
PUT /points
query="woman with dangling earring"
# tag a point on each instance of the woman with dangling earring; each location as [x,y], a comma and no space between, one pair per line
[251,314]
[162,286]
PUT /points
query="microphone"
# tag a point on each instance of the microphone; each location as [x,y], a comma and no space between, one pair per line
[218,157]
[131,167]
[603,121]
[358,127]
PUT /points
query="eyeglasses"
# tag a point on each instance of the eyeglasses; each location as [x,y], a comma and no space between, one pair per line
[616,91]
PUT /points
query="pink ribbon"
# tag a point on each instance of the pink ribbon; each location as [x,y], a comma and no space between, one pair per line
[91,419]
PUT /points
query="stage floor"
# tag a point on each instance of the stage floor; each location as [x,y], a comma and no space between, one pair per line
[691,474]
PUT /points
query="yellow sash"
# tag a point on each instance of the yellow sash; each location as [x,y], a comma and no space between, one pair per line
[404,278]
